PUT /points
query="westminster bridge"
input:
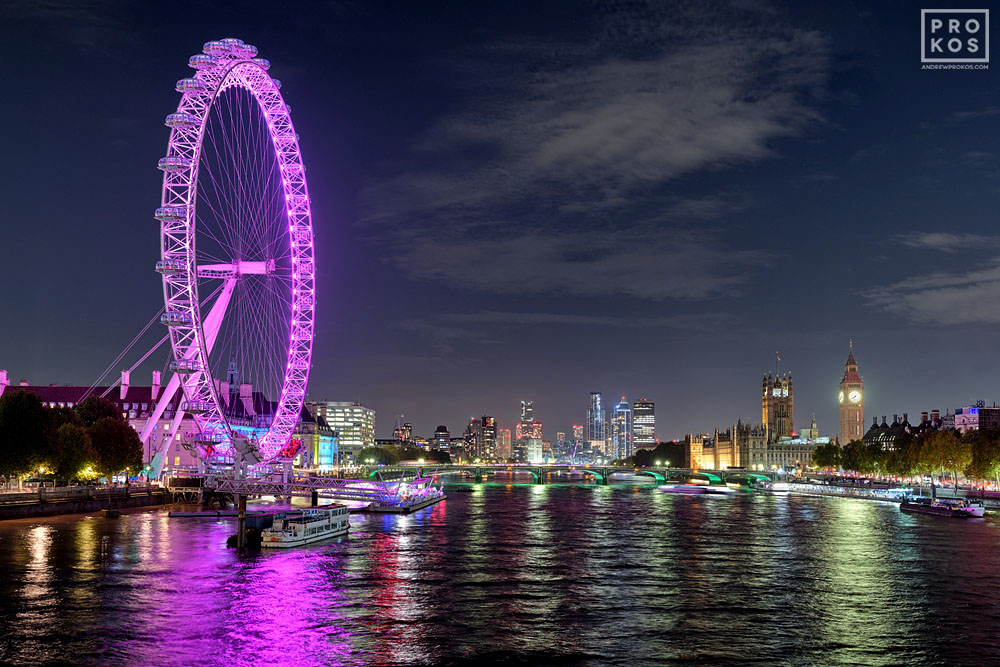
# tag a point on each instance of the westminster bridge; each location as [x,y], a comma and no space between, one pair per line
[542,473]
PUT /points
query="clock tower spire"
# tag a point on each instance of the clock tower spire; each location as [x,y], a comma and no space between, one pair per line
[852,400]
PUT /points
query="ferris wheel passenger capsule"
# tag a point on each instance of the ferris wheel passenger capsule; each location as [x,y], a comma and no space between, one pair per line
[216,48]
[263,63]
[277,83]
[191,86]
[169,267]
[173,318]
[247,51]
[233,43]
[180,120]
[173,163]
[207,438]
[170,213]
[185,366]
[202,61]
[196,407]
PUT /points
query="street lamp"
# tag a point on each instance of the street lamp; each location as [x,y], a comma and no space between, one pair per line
[659,463]
[668,464]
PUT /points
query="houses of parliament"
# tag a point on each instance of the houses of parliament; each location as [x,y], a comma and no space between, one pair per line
[774,443]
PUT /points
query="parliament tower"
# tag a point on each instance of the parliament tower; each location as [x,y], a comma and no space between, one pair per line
[777,406]
[852,401]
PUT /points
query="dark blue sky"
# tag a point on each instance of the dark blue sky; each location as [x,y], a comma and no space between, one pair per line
[534,202]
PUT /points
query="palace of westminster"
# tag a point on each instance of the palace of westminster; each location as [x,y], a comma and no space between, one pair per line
[773,444]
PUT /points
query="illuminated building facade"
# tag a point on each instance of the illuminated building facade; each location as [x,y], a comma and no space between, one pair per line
[777,411]
[644,418]
[622,435]
[354,423]
[503,444]
[596,426]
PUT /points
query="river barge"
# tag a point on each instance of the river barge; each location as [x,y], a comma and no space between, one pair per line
[958,508]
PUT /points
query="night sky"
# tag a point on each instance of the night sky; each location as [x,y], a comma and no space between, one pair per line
[538,200]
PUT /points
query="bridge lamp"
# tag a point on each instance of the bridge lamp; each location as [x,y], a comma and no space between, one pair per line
[420,460]
[659,463]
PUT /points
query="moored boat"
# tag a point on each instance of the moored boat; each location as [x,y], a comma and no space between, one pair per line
[321,523]
[682,488]
[959,508]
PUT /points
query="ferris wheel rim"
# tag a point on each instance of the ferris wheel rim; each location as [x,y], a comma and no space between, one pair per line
[237,68]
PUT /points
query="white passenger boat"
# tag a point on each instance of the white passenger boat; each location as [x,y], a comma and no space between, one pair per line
[312,526]
[778,488]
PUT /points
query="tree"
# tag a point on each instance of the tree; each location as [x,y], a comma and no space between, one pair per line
[116,447]
[904,459]
[827,455]
[94,408]
[378,454]
[74,451]
[985,455]
[24,440]
[853,456]
[943,450]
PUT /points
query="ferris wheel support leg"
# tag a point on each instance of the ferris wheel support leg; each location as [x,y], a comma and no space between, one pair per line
[212,324]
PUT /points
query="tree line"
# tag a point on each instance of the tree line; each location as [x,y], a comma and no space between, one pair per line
[89,440]
[391,454]
[976,455]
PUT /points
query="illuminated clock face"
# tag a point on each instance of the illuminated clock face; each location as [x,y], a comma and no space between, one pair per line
[841,397]
[854,396]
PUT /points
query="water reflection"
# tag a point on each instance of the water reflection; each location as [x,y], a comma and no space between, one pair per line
[578,574]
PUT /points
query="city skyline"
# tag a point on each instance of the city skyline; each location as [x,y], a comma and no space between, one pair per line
[626,269]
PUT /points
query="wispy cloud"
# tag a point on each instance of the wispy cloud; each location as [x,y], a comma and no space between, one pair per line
[969,297]
[596,147]
[949,241]
[444,330]
[988,112]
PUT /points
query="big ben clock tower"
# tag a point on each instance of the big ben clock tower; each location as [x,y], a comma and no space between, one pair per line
[852,401]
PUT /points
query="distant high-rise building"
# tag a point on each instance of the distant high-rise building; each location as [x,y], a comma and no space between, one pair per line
[481,438]
[488,446]
[503,444]
[560,439]
[578,432]
[403,432]
[644,417]
[852,400]
[777,411]
[596,426]
[533,450]
[442,438]
[528,426]
[354,422]
[622,434]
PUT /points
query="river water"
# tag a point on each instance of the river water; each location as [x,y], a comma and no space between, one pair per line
[527,574]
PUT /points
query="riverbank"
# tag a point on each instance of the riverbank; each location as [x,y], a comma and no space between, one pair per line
[887,495]
[31,505]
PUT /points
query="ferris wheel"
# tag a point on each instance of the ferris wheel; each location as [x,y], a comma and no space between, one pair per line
[236,259]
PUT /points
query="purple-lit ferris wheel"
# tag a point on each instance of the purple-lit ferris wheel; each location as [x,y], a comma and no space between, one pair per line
[236,258]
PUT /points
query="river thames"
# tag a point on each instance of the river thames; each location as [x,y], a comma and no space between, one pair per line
[528,574]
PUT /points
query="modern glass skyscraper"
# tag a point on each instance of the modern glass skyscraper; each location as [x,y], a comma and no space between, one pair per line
[622,433]
[596,426]
[644,416]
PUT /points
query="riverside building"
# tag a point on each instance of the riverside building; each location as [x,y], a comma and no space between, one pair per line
[354,423]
